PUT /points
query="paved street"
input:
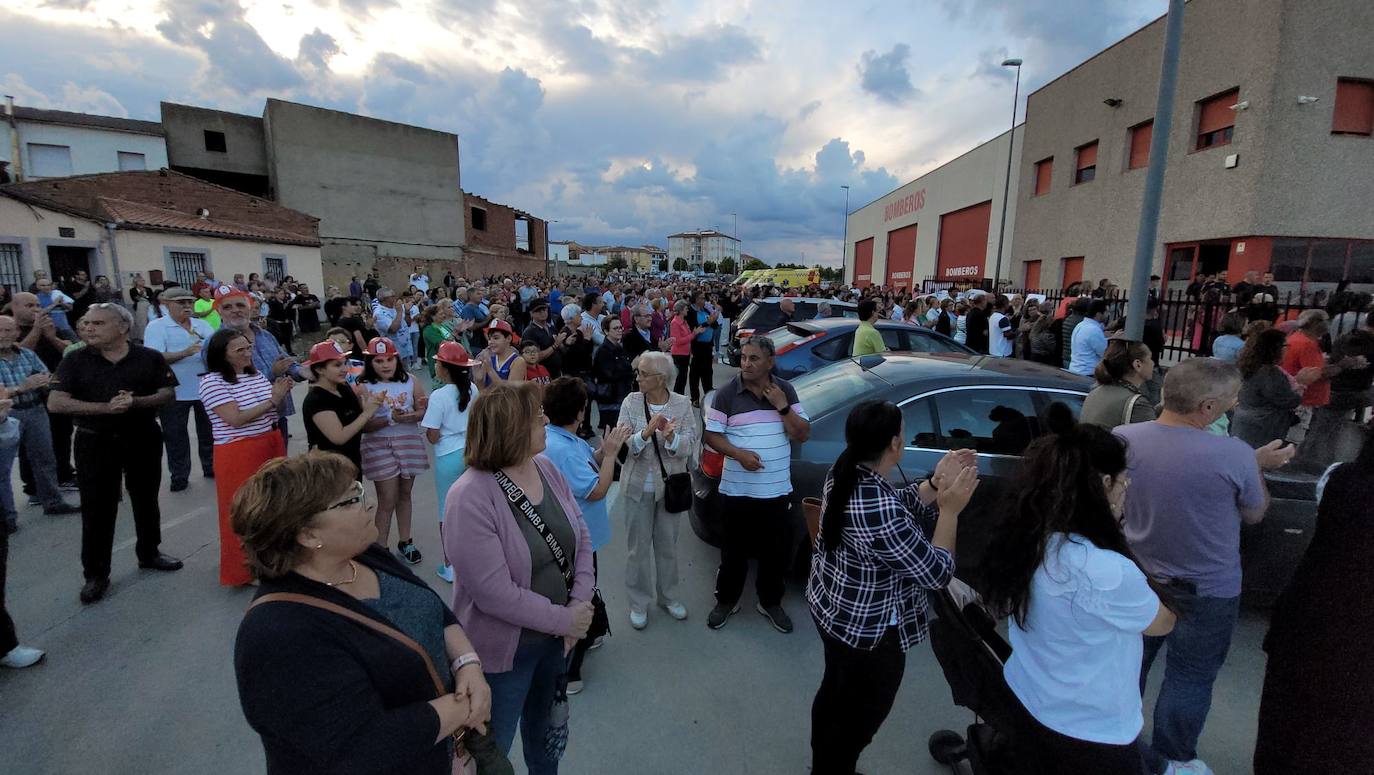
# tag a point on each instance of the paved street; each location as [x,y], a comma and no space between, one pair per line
[142,683]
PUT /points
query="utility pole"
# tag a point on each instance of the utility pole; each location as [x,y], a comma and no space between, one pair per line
[1006,184]
[1154,175]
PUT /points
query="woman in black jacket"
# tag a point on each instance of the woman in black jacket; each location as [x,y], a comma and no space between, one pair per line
[320,678]
[612,372]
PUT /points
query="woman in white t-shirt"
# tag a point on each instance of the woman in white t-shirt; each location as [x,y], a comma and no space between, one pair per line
[446,424]
[392,451]
[1079,603]
[242,406]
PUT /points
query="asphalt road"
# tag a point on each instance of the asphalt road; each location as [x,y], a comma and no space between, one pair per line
[142,683]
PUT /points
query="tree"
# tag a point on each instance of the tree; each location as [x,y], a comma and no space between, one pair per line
[754,263]
[727,266]
[679,264]
[709,267]
[663,265]
[616,262]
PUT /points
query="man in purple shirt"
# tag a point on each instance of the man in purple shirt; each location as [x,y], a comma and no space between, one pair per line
[1190,492]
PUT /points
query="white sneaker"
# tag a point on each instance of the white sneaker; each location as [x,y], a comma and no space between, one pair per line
[21,657]
[638,619]
[676,610]
[575,687]
[1194,767]
[446,573]
[596,644]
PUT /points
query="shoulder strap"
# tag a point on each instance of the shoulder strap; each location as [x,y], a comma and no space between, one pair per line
[654,437]
[370,623]
[517,497]
[1129,409]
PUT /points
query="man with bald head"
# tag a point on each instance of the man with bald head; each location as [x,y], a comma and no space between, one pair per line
[113,390]
[39,332]
[25,378]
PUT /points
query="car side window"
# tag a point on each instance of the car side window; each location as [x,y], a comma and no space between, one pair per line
[919,420]
[1000,421]
[804,311]
[926,343]
[835,349]
[1074,401]
[893,338]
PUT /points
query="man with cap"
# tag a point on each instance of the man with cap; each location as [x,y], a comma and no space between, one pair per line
[179,336]
[236,309]
[113,390]
[547,335]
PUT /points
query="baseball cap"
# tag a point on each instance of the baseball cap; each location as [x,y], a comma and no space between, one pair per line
[324,352]
[456,354]
[226,292]
[538,304]
[503,327]
[380,345]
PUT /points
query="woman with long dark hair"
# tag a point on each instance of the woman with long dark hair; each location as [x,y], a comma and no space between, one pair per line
[1268,395]
[1079,604]
[869,574]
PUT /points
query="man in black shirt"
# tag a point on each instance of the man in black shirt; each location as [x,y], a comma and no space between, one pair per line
[307,307]
[977,323]
[351,320]
[112,389]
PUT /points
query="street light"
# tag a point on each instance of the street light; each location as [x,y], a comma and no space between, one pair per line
[844,242]
[734,232]
[1006,184]
[548,254]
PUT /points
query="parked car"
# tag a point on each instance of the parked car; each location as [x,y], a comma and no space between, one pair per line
[809,345]
[764,315]
[997,407]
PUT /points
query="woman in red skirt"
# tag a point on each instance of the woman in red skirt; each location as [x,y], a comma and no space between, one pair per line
[242,405]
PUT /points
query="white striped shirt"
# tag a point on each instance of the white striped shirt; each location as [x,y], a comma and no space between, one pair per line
[750,422]
[249,391]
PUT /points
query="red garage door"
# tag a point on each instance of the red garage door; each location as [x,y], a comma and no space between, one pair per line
[863,262]
[963,243]
[901,257]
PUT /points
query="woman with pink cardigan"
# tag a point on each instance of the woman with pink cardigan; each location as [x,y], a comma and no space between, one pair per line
[522,562]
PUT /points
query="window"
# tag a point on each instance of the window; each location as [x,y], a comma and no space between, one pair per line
[274,268]
[1216,120]
[214,142]
[186,266]
[479,219]
[1043,169]
[836,349]
[1354,112]
[1141,135]
[919,418]
[1362,263]
[128,160]
[11,266]
[1071,270]
[1086,167]
[49,161]
[1032,275]
[1322,261]
[825,389]
[999,421]
[892,339]
[927,341]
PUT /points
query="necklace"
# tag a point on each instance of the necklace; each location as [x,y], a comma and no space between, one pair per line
[350,580]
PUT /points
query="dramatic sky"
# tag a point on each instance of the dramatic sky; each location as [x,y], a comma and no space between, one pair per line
[625,120]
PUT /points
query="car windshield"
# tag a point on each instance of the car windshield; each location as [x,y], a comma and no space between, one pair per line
[787,335]
[825,389]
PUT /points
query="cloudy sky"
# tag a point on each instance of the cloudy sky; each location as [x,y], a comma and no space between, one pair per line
[625,120]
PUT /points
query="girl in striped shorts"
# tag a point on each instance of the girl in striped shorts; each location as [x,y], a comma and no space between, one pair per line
[393,450]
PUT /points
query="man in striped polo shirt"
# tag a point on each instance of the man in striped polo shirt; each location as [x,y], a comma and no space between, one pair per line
[753,421]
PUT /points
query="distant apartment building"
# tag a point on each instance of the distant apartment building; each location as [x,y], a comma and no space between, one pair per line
[644,258]
[36,144]
[698,247]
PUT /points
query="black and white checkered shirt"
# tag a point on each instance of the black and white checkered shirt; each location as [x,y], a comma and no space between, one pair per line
[878,575]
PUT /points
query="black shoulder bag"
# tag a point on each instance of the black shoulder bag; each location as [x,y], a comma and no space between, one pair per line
[677,489]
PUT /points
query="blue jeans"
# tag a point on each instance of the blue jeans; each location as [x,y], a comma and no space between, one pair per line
[177,440]
[36,442]
[1197,650]
[524,694]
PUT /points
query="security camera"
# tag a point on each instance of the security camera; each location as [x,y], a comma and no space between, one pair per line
[1112,102]
[1305,100]
[1242,105]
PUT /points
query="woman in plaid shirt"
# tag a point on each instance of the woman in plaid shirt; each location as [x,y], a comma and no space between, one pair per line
[872,565]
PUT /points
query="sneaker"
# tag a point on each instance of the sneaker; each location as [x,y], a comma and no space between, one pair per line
[409,552]
[21,657]
[446,573]
[70,486]
[720,615]
[638,619]
[676,610]
[60,508]
[776,617]
[596,644]
[1194,767]
[574,686]
[34,500]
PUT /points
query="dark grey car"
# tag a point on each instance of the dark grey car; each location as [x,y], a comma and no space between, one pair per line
[997,407]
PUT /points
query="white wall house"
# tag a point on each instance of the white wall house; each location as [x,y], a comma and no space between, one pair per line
[698,247]
[38,144]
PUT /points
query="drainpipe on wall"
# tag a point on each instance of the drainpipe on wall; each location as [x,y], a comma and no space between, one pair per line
[118,278]
[16,163]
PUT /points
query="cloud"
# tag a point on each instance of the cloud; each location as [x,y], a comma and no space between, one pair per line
[702,56]
[316,49]
[885,76]
[808,109]
[236,54]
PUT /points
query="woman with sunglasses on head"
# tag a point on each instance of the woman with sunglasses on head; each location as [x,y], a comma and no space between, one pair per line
[501,362]
[334,412]
[325,677]
[446,424]
[393,452]
[242,406]
[1079,604]
[870,570]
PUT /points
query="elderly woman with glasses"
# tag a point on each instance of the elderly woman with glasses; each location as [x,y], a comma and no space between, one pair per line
[664,437]
[326,659]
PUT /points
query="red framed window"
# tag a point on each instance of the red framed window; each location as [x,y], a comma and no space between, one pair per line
[1085,163]
[1141,135]
[1032,275]
[1354,112]
[1044,169]
[1216,123]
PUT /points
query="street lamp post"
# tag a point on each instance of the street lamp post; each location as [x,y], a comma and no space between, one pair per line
[844,241]
[1006,184]
[734,233]
[547,252]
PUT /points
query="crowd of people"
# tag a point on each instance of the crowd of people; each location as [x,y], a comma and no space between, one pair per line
[537,394]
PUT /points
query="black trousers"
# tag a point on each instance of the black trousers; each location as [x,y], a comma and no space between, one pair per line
[703,357]
[99,470]
[856,694]
[683,364]
[1043,751]
[756,527]
[61,427]
[580,650]
[8,638]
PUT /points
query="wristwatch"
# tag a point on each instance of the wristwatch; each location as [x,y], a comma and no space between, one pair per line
[786,410]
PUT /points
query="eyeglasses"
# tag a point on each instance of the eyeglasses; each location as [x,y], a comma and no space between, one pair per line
[358,497]
[647,374]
